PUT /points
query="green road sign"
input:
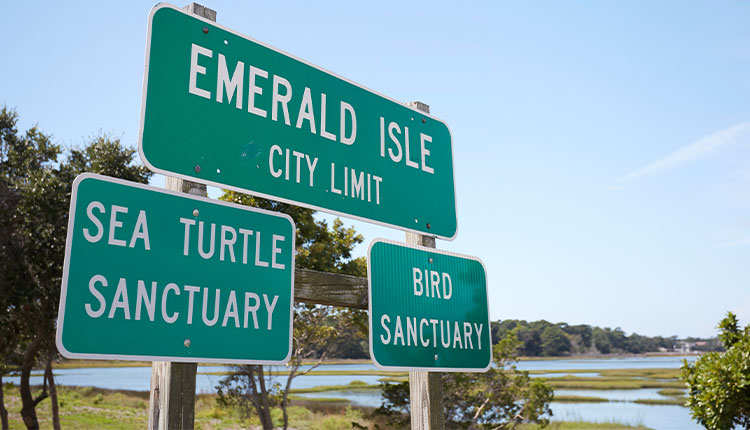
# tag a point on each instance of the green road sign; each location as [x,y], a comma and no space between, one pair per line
[226,110]
[428,309]
[156,275]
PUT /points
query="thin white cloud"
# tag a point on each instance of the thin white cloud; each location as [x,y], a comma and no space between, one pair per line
[732,244]
[699,148]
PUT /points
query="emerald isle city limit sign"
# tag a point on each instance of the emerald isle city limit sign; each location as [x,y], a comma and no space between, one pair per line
[226,110]
[155,275]
[428,309]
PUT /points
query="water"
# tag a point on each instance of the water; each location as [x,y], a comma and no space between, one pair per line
[139,378]
[620,408]
[659,417]
[616,395]
[667,362]
[557,375]
[370,398]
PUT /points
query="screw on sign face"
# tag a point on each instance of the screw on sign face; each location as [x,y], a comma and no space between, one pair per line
[284,129]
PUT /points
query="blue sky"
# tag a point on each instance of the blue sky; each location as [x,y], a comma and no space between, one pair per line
[601,149]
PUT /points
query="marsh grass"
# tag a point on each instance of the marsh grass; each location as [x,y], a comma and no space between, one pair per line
[96,408]
[573,382]
[397,379]
[78,364]
[354,385]
[101,409]
[580,399]
[679,401]
[583,425]
[388,373]
[672,392]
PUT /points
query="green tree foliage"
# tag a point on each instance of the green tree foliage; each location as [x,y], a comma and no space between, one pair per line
[542,338]
[501,398]
[554,341]
[602,341]
[719,383]
[319,247]
[34,195]
[35,188]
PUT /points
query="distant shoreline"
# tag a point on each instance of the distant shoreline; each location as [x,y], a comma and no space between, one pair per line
[76,364]
[608,356]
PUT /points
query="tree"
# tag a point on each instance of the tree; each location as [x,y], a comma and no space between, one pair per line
[311,335]
[554,341]
[319,247]
[31,192]
[36,187]
[601,341]
[580,337]
[501,398]
[719,383]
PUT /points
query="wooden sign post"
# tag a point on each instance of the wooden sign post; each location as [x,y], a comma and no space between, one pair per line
[425,388]
[172,398]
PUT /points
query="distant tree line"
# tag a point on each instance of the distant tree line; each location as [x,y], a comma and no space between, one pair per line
[539,339]
[543,338]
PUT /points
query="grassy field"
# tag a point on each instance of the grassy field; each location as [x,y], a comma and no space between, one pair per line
[354,385]
[92,408]
[594,383]
[615,379]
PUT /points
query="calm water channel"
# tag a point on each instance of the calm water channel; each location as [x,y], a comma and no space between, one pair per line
[620,408]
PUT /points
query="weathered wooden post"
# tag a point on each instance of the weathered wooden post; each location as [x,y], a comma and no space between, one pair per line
[425,388]
[172,399]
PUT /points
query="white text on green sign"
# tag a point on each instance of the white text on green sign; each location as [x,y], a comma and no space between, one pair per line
[151,274]
[230,111]
[428,309]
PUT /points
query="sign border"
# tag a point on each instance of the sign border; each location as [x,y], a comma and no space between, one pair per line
[129,357]
[369,307]
[268,196]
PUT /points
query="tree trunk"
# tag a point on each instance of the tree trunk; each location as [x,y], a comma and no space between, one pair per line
[52,395]
[3,411]
[28,408]
[285,396]
[266,408]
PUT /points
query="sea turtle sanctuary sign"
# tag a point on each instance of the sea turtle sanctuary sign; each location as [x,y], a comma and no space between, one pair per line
[156,275]
[428,309]
[227,110]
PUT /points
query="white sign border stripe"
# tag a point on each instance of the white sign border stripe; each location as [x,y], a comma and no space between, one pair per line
[66,267]
[369,307]
[268,196]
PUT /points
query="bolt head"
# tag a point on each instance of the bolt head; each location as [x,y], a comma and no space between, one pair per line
[187,343]
[197,168]
[205,30]
[195,212]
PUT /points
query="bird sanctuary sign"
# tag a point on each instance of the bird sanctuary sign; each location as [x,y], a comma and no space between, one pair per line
[156,275]
[428,309]
[226,110]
